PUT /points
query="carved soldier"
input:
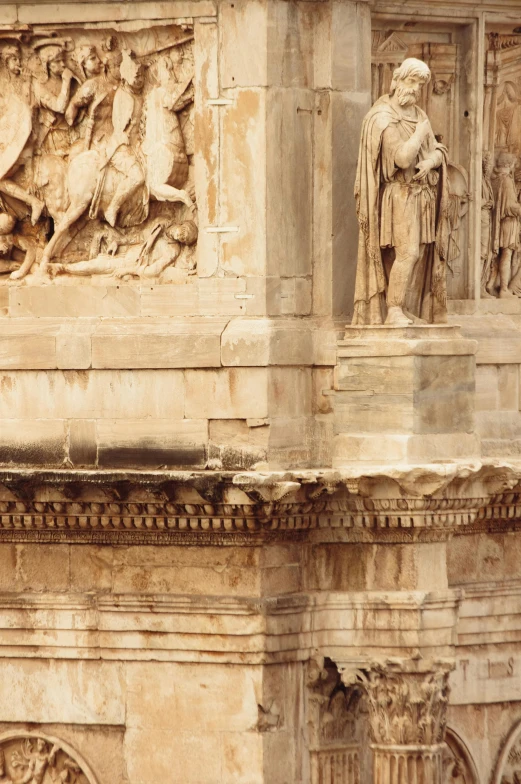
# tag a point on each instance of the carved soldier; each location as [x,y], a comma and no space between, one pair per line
[402,201]
[487,204]
[54,136]
[52,98]
[16,130]
[164,146]
[506,223]
[96,96]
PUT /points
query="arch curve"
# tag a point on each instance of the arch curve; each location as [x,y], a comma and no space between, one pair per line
[45,755]
[461,754]
[509,755]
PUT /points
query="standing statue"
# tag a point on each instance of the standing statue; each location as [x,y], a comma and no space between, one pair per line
[487,204]
[403,209]
[506,227]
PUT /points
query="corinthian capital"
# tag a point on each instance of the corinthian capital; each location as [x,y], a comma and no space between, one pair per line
[407,700]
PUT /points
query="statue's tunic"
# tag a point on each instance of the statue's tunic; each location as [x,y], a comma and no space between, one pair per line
[507,223]
[396,212]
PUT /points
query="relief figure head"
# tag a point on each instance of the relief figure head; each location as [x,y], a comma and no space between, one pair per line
[52,58]
[89,61]
[12,59]
[185,233]
[132,72]
[408,80]
[506,162]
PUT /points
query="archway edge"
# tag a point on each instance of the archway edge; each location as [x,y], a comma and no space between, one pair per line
[457,743]
[512,737]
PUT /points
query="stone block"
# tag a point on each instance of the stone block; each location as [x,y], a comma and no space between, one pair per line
[243,145]
[219,296]
[92,394]
[360,448]
[229,393]
[289,392]
[74,300]
[389,414]
[91,568]
[444,394]
[242,758]
[508,387]
[38,13]
[260,342]
[243,29]
[231,581]
[413,385]
[74,350]
[4,301]
[47,691]
[207,145]
[27,351]
[33,441]
[322,392]
[376,375]
[350,62]
[83,450]
[167,343]
[487,387]
[170,300]
[156,443]
[440,447]
[42,568]
[289,207]
[288,296]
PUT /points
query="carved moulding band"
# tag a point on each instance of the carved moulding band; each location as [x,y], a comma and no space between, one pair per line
[37,757]
[159,507]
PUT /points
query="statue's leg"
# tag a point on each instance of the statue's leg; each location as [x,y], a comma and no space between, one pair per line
[131,178]
[12,189]
[505,271]
[406,257]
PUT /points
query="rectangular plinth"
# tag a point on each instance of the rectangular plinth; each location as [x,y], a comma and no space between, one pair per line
[404,394]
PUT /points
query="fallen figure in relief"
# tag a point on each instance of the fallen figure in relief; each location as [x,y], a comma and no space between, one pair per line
[161,250]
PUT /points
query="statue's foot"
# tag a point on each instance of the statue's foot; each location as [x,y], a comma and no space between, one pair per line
[506,294]
[397,318]
[485,294]
[36,210]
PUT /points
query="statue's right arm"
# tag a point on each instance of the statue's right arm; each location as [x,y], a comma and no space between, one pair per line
[82,98]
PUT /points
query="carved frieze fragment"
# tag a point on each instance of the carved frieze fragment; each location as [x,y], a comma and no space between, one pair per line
[96,147]
[36,759]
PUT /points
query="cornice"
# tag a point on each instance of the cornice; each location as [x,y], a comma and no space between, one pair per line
[365,503]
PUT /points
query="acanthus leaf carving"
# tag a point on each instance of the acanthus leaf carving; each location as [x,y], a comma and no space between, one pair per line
[407,701]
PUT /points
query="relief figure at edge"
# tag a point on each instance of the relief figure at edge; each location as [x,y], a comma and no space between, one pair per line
[403,208]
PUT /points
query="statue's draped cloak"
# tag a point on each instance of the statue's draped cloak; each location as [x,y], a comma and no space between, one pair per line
[371,282]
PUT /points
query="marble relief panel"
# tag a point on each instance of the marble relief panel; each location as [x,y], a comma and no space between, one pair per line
[96,148]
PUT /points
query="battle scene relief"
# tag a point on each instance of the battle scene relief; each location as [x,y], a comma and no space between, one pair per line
[96,148]
[501,186]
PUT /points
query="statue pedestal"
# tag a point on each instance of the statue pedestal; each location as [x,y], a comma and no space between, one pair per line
[404,394]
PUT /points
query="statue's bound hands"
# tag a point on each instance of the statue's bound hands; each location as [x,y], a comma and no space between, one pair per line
[423,168]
